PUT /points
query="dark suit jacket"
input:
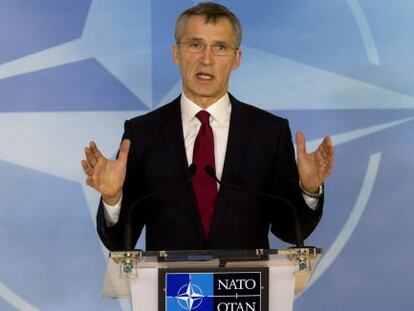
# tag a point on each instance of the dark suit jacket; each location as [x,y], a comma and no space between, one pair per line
[259,156]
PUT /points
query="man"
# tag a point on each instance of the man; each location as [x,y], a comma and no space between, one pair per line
[246,147]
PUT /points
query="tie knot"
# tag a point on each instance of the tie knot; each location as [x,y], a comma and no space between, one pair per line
[203,116]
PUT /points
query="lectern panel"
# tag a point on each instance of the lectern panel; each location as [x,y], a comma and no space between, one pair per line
[218,289]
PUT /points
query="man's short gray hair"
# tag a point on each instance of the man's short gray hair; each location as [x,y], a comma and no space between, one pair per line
[212,13]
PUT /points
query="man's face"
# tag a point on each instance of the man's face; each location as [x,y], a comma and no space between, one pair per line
[205,75]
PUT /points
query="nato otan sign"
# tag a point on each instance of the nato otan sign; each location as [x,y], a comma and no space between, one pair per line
[214,291]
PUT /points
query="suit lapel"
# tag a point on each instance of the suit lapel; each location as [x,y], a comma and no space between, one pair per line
[174,142]
[237,143]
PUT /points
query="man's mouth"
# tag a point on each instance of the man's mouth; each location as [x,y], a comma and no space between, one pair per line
[204,76]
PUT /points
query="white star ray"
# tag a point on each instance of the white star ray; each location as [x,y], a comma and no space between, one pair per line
[113,35]
[15,300]
[365,31]
[343,138]
[118,34]
[297,86]
[66,53]
[53,142]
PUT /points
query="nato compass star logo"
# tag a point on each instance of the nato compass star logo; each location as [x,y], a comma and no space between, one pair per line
[190,296]
[188,291]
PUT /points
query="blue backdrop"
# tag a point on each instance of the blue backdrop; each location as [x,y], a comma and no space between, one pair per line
[73,71]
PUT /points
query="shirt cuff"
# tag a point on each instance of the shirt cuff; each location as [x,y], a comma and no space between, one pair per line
[111,212]
[312,200]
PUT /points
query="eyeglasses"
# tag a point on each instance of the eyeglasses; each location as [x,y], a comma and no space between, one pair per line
[198,47]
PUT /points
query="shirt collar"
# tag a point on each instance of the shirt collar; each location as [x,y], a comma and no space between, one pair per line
[219,111]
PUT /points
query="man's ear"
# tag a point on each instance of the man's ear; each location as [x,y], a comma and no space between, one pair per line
[237,60]
[176,54]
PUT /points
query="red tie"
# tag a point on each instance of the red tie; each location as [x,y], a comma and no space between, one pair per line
[205,187]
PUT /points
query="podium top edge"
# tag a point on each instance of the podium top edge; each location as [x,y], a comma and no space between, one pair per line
[220,254]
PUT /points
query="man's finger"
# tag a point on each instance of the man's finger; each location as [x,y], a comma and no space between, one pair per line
[92,145]
[96,152]
[323,150]
[89,182]
[90,157]
[327,148]
[86,168]
[123,150]
[329,157]
[300,142]
[327,144]
[330,150]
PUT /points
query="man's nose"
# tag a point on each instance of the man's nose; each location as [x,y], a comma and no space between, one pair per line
[207,57]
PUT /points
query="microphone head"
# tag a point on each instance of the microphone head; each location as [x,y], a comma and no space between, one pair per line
[192,169]
[210,171]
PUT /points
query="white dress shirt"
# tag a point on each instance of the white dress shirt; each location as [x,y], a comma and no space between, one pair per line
[219,121]
[220,112]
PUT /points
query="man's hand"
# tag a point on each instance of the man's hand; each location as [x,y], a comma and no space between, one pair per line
[314,167]
[106,176]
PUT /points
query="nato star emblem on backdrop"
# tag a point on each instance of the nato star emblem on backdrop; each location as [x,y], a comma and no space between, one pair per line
[72,72]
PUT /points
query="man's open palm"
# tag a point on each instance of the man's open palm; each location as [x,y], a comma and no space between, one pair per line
[106,176]
[314,167]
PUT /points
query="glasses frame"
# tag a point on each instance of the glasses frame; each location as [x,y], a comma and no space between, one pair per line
[214,48]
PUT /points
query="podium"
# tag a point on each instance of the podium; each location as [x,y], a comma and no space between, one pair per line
[222,280]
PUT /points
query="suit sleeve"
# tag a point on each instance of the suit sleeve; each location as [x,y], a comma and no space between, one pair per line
[113,236]
[286,184]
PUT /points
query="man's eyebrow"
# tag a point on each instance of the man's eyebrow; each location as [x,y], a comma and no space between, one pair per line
[220,42]
[195,39]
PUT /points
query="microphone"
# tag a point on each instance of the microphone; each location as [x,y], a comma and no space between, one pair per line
[128,228]
[300,243]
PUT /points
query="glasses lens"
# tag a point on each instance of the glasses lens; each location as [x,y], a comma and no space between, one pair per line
[197,47]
